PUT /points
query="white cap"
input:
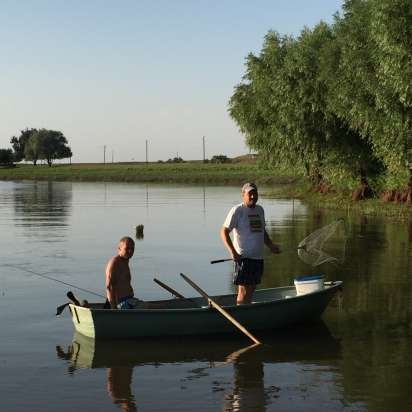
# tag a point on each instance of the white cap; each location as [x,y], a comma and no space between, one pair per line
[247,187]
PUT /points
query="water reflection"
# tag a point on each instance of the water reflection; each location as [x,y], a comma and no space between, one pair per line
[42,209]
[372,365]
[241,377]
[119,380]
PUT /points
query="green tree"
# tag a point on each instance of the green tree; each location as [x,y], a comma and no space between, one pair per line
[255,104]
[220,159]
[32,148]
[19,143]
[48,145]
[372,77]
[6,156]
[335,102]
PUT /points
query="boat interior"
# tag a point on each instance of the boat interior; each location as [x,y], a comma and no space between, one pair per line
[262,295]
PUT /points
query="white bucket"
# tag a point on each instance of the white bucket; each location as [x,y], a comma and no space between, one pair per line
[309,283]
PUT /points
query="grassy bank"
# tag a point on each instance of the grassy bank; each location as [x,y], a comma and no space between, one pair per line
[188,172]
[342,201]
[209,173]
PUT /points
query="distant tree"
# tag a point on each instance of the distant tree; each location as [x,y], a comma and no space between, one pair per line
[19,143]
[175,160]
[32,149]
[48,145]
[220,159]
[6,156]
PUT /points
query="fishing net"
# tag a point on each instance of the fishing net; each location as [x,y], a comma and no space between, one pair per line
[325,245]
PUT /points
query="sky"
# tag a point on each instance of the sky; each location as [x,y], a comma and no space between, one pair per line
[112,75]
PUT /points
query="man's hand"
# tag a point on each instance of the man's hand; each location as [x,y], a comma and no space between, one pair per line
[235,255]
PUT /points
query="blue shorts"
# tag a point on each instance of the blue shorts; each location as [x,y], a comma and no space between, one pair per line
[129,302]
[248,271]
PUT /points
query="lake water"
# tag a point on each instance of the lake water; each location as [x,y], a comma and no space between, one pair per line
[359,358]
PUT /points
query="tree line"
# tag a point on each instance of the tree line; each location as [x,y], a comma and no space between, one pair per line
[36,144]
[334,103]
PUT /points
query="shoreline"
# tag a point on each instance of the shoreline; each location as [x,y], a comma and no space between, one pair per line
[197,172]
[187,172]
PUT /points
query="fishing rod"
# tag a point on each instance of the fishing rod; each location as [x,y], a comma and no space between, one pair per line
[54,279]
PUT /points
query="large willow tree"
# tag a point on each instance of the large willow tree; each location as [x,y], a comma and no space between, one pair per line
[335,102]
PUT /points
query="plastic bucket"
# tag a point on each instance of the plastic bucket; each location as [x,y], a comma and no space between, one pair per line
[309,283]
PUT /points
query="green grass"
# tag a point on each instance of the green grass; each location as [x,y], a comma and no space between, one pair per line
[188,172]
[342,201]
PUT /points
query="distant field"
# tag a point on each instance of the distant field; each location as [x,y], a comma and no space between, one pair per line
[188,172]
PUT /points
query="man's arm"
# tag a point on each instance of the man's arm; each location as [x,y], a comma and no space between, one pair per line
[268,242]
[110,284]
[225,235]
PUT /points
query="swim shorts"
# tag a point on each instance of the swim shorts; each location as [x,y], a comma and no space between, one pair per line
[130,302]
[248,271]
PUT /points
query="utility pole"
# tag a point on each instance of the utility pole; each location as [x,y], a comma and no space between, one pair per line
[147,153]
[104,154]
[204,151]
[112,156]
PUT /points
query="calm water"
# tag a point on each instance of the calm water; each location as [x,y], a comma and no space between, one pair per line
[358,359]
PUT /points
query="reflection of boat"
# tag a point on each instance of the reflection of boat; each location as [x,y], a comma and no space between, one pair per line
[272,308]
[311,342]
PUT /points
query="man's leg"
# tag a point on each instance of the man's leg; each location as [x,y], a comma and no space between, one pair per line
[244,294]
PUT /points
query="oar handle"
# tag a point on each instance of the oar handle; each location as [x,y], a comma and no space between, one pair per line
[168,288]
[72,298]
[220,261]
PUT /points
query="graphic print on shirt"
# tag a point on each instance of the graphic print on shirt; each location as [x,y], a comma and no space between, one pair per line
[255,223]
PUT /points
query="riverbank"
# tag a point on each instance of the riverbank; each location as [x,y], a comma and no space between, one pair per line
[197,172]
[187,172]
[342,201]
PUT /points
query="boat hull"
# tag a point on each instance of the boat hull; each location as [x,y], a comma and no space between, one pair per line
[272,308]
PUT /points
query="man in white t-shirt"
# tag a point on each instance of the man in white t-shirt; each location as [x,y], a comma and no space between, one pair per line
[247,221]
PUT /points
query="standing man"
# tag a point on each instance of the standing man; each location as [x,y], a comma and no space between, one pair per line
[118,278]
[247,220]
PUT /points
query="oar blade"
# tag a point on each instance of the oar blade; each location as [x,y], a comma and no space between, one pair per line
[61,308]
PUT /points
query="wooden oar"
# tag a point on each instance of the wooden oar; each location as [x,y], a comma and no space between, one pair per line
[61,308]
[220,309]
[220,261]
[168,288]
[72,299]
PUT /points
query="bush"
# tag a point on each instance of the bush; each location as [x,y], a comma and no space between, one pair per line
[6,157]
[175,160]
[220,159]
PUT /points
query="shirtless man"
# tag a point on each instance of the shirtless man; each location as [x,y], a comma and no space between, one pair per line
[118,278]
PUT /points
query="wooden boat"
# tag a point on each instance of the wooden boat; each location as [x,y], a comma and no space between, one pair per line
[271,309]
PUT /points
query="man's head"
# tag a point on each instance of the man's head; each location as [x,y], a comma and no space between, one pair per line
[126,247]
[250,194]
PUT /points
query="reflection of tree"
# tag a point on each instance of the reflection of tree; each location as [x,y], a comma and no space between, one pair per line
[119,380]
[42,208]
[378,314]
[281,269]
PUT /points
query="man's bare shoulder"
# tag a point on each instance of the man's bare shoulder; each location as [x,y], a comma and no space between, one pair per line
[114,262]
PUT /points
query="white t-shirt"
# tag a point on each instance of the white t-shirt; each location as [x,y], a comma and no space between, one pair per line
[248,225]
